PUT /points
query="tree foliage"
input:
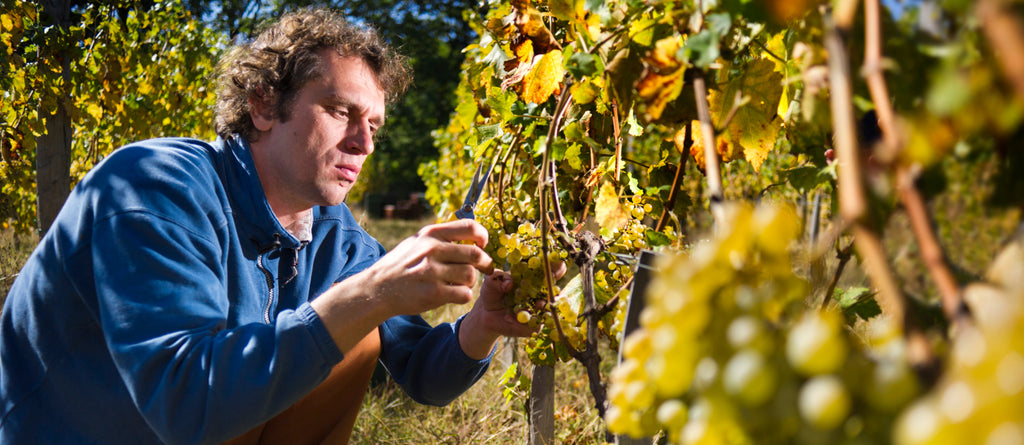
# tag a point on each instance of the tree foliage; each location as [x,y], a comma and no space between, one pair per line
[431,33]
[136,73]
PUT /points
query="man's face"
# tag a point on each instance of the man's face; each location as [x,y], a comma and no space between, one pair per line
[314,157]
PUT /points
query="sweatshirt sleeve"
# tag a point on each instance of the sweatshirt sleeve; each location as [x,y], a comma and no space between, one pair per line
[162,302]
[428,362]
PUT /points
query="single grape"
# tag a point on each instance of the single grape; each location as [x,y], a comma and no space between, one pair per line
[748,377]
[824,402]
[815,345]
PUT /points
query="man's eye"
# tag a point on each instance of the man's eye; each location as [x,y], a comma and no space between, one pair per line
[338,111]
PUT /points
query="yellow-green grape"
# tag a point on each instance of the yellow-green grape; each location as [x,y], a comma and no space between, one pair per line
[921,424]
[617,419]
[673,415]
[892,386]
[776,227]
[523,317]
[824,402]
[749,378]
[534,262]
[747,331]
[980,396]
[714,322]
[816,344]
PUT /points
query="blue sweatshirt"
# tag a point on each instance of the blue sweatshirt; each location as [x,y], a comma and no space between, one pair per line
[167,304]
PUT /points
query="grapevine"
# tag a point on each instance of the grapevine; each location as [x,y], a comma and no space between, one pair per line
[643,125]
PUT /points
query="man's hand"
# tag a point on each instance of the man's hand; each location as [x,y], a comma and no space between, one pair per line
[425,271]
[490,319]
[431,269]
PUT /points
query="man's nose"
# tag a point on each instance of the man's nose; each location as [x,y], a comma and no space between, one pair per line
[359,138]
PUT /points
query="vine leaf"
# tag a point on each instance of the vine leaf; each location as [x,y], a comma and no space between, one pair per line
[563,9]
[663,78]
[608,211]
[544,79]
[754,127]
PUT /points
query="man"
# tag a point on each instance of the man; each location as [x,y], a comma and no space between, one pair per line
[195,292]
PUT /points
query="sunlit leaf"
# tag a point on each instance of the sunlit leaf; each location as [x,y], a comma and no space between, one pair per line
[723,146]
[544,79]
[585,91]
[663,79]
[608,211]
[755,126]
[562,9]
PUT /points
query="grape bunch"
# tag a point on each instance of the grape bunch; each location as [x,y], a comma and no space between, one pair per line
[980,397]
[614,275]
[728,352]
[516,244]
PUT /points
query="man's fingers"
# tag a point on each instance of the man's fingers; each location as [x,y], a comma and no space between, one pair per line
[457,274]
[458,294]
[513,328]
[559,270]
[459,230]
[501,279]
[448,253]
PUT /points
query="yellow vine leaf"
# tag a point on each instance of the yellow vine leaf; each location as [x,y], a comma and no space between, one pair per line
[523,50]
[608,210]
[562,9]
[724,147]
[755,126]
[662,80]
[95,111]
[776,46]
[6,22]
[544,79]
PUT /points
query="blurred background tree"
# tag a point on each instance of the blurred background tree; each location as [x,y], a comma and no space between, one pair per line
[108,73]
[432,33]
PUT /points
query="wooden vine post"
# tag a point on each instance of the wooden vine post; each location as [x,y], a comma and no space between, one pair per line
[637,301]
[542,406]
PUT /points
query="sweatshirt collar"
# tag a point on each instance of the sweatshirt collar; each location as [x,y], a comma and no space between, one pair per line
[257,221]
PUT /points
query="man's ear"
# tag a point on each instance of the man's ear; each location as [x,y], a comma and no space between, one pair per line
[261,112]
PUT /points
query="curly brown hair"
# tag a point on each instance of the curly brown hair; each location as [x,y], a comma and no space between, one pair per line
[283,57]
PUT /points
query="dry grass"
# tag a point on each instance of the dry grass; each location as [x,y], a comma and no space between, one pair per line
[15,249]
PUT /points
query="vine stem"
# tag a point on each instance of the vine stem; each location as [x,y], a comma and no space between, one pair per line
[852,197]
[542,185]
[711,164]
[852,202]
[1005,33]
[874,74]
[589,246]
[953,306]
[501,178]
[585,248]
[618,140]
[680,169]
[843,255]
[893,142]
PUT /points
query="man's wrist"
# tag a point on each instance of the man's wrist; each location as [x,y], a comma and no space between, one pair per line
[476,341]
